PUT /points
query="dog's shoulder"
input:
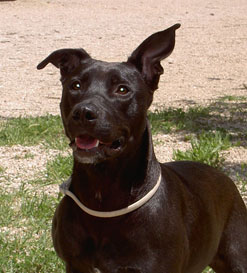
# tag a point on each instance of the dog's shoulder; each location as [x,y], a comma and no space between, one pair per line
[198,177]
[193,169]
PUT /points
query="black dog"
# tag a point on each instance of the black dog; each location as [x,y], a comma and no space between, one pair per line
[134,214]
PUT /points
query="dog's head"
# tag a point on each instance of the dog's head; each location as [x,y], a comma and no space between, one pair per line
[104,105]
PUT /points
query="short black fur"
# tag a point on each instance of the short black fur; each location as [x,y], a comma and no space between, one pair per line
[196,218]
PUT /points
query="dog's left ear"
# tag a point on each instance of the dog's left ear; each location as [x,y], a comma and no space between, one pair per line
[149,53]
[66,59]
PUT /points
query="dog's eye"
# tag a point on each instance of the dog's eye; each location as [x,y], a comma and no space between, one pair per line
[122,90]
[76,85]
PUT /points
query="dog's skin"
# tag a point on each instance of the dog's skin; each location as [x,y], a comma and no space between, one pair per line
[196,218]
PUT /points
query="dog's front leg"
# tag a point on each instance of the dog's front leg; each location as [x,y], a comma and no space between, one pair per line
[128,270]
[69,269]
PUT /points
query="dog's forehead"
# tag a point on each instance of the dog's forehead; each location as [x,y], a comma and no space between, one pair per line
[102,69]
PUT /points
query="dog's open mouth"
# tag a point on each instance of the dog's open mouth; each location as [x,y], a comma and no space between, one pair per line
[88,149]
[86,142]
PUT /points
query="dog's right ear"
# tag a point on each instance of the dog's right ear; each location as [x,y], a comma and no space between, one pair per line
[148,55]
[66,59]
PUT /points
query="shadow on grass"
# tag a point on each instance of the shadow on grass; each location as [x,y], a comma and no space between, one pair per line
[227,115]
[238,171]
[231,117]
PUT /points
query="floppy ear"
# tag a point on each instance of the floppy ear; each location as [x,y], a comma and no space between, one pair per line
[66,59]
[149,53]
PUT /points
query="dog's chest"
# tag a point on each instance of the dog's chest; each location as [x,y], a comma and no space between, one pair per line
[107,253]
[104,246]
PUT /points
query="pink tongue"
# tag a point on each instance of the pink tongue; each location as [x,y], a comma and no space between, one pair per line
[86,142]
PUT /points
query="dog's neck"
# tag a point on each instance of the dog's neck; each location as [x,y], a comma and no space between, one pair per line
[115,184]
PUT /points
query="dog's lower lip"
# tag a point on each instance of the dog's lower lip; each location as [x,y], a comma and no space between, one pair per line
[87,143]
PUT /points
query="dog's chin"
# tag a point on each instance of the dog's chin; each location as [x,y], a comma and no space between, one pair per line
[87,150]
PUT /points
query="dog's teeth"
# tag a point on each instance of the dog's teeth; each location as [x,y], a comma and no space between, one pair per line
[97,143]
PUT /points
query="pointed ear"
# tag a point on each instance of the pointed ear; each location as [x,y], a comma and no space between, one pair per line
[149,53]
[66,59]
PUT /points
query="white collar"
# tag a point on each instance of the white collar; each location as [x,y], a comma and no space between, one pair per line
[64,188]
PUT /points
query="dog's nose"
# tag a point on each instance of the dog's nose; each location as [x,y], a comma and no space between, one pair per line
[89,114]
[85,113]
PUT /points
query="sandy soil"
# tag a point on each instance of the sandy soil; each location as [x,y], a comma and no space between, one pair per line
[209,60]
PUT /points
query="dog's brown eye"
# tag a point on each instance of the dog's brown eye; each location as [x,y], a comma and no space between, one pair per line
[76,86]
[122,90]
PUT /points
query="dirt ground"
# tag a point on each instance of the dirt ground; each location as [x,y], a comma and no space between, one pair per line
[209,60]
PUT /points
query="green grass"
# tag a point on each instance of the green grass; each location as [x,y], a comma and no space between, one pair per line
[25,237]
[58,169]
[168,120]
[206,148]
[30,131]
[2,169]
[233,98]
[242,178]
[7,212]
[228,114]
